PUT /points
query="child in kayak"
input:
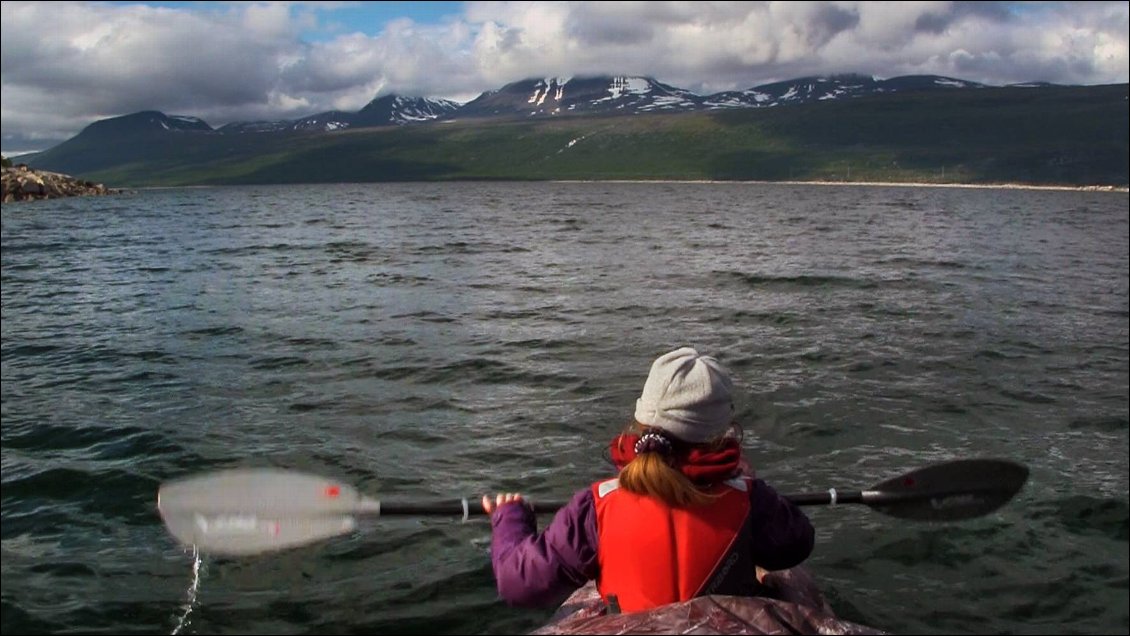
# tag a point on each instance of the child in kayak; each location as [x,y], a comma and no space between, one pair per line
[683,518]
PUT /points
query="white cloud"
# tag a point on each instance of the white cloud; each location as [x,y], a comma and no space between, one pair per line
[68,64]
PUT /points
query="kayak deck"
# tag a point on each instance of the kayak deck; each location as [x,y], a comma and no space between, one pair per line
[801,609]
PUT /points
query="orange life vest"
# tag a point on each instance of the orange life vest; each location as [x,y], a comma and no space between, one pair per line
[650,554]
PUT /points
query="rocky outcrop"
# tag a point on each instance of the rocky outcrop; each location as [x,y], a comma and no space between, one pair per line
[21,183]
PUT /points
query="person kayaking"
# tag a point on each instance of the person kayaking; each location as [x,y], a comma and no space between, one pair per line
[685,516]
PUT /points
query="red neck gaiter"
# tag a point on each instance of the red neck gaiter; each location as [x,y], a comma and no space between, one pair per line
[700,464]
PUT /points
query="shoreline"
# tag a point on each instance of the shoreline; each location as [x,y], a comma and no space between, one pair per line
[885,184]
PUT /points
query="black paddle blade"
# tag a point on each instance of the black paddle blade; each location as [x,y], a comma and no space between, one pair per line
[950,491]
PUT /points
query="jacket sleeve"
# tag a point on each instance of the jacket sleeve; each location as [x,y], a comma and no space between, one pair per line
[783,536]
[540,570]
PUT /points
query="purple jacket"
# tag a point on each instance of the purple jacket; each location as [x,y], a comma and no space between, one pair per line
[540,570]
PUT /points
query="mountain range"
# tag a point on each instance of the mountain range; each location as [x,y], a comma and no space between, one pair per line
[151,147]
[552,96]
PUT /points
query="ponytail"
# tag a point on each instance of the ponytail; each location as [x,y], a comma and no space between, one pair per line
[651,475]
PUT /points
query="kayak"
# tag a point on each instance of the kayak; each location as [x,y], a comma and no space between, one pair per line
[801,609]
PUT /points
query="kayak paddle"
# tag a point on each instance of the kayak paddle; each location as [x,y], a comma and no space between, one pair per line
[253,510]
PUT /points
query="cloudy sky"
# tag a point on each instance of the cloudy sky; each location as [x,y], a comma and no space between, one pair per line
[67,64]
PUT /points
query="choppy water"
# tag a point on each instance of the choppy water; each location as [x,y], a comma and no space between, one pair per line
[445,340]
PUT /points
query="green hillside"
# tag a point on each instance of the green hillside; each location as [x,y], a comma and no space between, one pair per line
[1049,135]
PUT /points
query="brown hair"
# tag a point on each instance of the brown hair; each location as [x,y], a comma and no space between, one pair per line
[649,474]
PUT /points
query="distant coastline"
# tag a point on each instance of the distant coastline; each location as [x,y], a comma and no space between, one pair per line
[986,186]
[885,184]
[890,184]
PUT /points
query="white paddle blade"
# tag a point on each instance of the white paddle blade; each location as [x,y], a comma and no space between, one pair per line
[248,511]
[243,535]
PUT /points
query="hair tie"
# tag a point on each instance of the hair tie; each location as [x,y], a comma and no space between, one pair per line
[653,443]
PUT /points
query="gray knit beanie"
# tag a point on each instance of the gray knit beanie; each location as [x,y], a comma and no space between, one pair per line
[687,395]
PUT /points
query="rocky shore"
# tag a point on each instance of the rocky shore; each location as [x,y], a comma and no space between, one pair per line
[21,183]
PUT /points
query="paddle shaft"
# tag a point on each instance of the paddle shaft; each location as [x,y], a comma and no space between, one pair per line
[830,497]
[246,511]
[475,506]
